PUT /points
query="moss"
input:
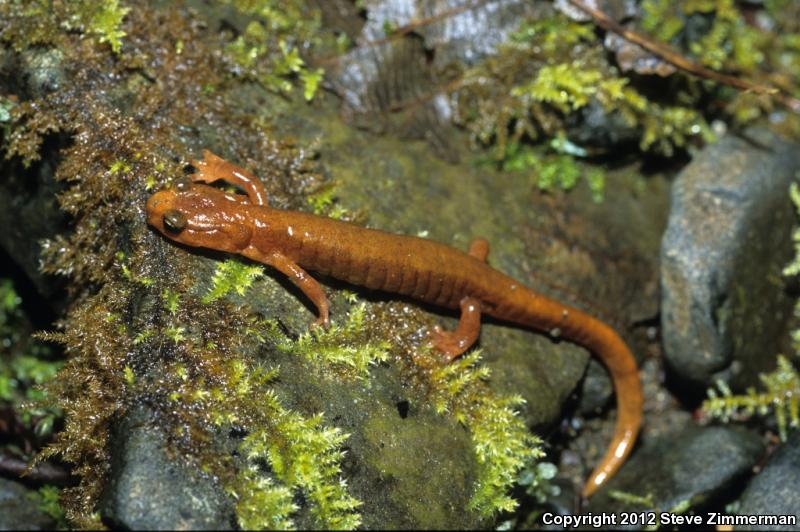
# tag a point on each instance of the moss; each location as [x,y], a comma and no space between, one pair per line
[48,503]
[232,276]
[268,51]
[781,397]
[32,22]
[503,444]
[340,351]
[549,171]
[553,67]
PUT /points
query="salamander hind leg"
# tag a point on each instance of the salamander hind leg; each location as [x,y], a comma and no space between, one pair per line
[214,168]
[454,343]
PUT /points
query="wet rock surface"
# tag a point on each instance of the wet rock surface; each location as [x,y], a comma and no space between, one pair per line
[151,490]
[18,509]
[728,236]
[691,464]
[776,489]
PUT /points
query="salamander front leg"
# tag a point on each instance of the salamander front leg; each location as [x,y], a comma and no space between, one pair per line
[301,279]
[214,168]
[454,343]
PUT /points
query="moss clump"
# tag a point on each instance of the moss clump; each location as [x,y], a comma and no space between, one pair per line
[232,276]
[31,22]
[554,71]
[285,453]
[269,50]
[503,444]
[782,397]
[305,456]
[553,170]
[343,351]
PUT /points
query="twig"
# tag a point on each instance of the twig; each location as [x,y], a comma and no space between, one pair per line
[47,473]
[671,56]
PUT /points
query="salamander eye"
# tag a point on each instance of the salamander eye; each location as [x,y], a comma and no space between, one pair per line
[183,184]
[174,221]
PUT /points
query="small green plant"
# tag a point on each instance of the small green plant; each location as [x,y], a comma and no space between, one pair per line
[33,22]
[25,365]
[232,276]
[346,350]
[781,396]
[269,49]
[48,503]
[304,455]
[550,171]
[503,444]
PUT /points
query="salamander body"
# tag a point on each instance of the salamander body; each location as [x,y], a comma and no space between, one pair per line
[198,215]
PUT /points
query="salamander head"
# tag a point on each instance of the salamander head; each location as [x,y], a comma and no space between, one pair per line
[200,216]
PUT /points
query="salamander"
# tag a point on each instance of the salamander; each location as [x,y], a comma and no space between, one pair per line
[196,214]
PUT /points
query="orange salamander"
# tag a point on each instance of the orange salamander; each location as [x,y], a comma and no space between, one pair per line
[292,242]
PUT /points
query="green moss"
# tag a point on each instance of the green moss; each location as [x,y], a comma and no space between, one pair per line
[232,276]
[343,351]
[48,503]
[554,67]
[549,171]
[32,22]
[503,444]
[301,454]
[305,455]
[268,51]
[781,397]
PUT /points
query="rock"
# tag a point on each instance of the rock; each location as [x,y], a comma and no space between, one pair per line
[694,464]
[727,240]
[596,391]
[149,490]
[776,490]
[18,508]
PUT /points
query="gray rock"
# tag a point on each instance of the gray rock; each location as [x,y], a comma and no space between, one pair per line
[776,490]
[18,508]
[691,465]
[727,239]
[596,391]
[150,490]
